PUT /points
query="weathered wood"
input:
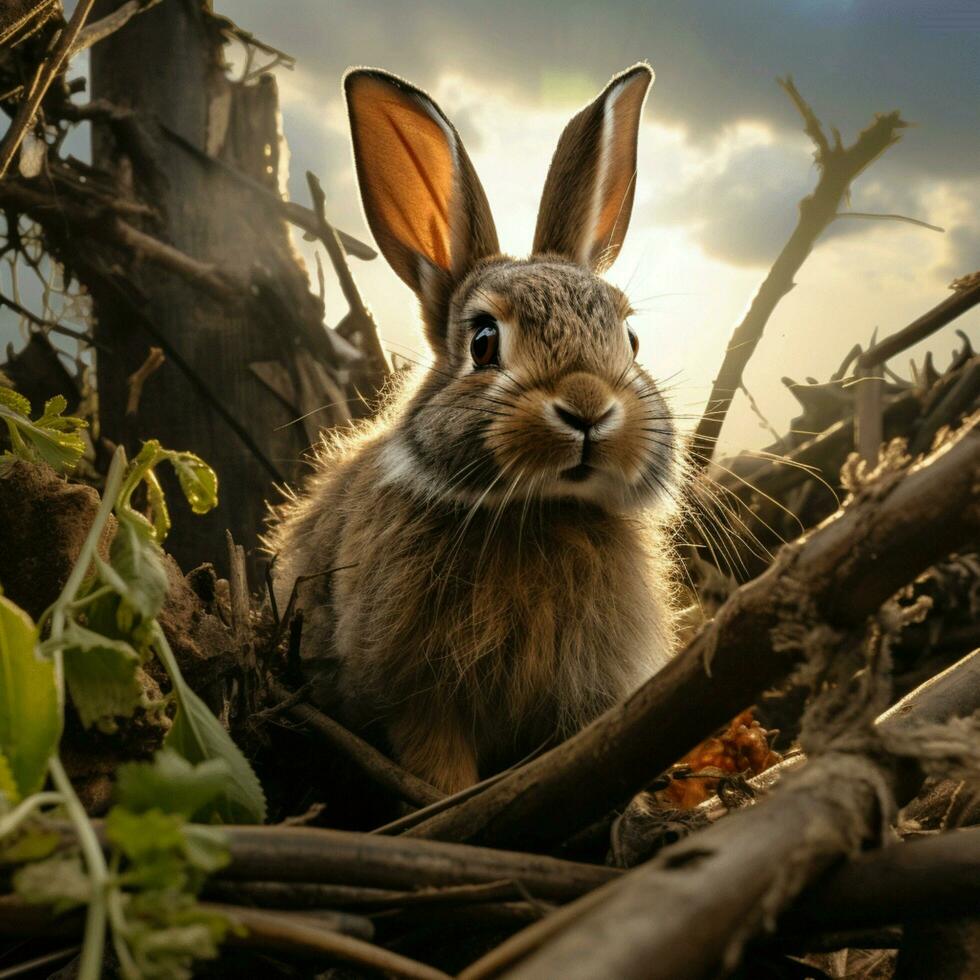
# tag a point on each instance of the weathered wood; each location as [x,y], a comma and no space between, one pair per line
[306,854]
[843,570]
[927,878]
[688,912]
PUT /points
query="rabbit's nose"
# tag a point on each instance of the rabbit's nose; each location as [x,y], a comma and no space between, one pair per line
[588,423]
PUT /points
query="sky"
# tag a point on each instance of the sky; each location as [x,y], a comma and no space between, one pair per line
[722,157]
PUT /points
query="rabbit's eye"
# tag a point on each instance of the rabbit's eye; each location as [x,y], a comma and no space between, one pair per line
[486,341]
[634,340]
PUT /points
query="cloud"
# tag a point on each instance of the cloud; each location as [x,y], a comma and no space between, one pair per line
[716,61]
[716,66]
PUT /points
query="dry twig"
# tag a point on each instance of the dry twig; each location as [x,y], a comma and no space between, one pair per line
[377,766]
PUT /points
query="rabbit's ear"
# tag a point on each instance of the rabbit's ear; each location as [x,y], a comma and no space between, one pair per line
[422,199]
[588,196]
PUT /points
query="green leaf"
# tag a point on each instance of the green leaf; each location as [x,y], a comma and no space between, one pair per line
[206,848]
[59,881]
[137,560]
[30,719]
[9,793]
[102,677]
[15,401]
[29,843]
[169,952]
[52,438]
[198,736]
[198,481]
[163,851]
[153,843]
[170,783]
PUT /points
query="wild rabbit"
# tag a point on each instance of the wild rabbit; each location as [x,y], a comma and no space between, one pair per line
[491,563]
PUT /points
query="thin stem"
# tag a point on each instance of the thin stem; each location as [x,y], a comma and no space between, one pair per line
[78,572]
[25,810]
[90,966]
[117,919]
[95,921]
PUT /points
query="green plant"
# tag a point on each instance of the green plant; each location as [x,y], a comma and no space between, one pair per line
[53,438]
[101,630]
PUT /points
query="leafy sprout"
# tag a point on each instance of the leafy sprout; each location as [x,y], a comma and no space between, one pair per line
[53,438]
[103,628]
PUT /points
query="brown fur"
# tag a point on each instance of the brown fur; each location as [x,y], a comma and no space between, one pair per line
[483,601]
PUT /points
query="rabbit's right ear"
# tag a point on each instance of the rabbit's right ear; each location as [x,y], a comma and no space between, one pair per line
[588,195]
[422,199]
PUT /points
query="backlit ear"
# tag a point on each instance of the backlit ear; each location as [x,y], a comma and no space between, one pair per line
[421,196]
[588,196]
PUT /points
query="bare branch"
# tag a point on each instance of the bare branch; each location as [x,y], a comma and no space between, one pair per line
[927,878]
[889,217]
[49,70]
[368,759]
[359,319]
[155,359]
[962,300]
[839,166]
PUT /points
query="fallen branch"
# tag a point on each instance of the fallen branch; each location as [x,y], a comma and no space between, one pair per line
[954,693]
[47,73]
[689,911]
[308,936]
[843,571]
[303,936]
[374,764]
[359,323]
[305,854]
[925,878]
[839,166]
[306,895]
[926,325]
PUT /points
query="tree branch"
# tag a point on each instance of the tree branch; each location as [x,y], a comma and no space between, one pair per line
[928,877]
[839,166]
[945,312]
[378,767]
[47,73]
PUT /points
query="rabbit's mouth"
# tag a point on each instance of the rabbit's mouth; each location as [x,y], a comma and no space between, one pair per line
[577,474]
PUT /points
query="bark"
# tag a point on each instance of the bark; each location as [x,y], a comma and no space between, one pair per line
[928,878]
[688,912]
[303,854]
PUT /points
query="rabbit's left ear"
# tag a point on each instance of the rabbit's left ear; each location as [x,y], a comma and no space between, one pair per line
[588,196]
[425,205]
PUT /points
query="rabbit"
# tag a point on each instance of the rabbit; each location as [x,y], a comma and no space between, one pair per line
[487,566]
